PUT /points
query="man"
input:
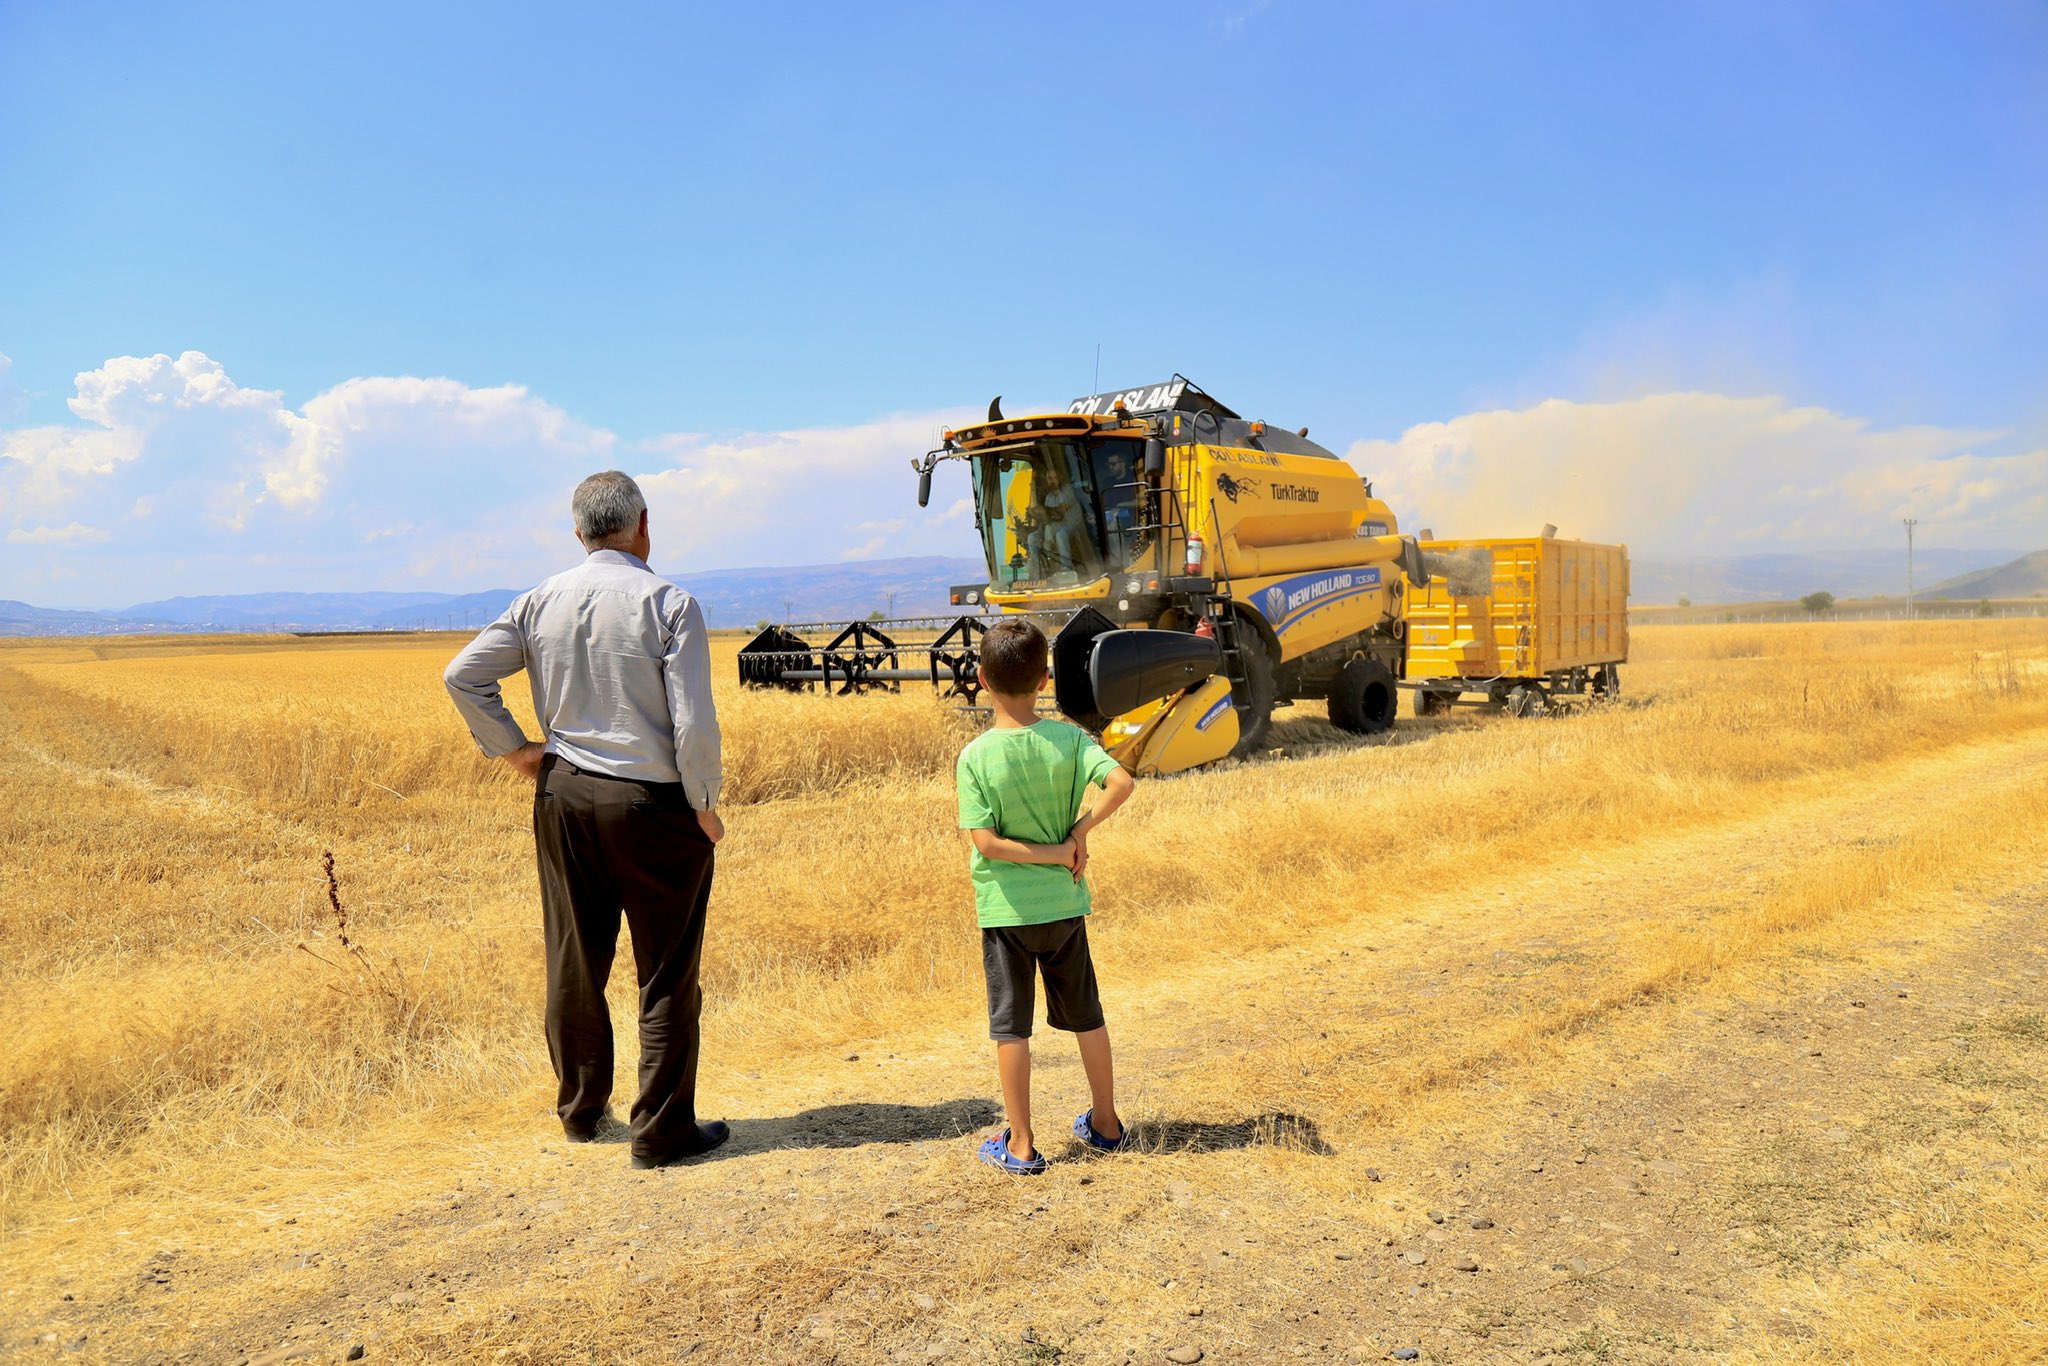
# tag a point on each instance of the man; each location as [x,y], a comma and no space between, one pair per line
[624,811]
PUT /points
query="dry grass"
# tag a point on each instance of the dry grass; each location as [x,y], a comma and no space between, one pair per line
[162,888]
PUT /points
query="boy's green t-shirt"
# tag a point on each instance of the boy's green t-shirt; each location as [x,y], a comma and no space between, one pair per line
[1025,783]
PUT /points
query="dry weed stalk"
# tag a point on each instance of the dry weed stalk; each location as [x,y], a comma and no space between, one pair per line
[385,980]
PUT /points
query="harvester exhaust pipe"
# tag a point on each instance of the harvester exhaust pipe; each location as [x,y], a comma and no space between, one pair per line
[1414,564]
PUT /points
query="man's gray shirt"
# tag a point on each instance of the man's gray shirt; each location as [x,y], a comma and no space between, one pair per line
[621,675]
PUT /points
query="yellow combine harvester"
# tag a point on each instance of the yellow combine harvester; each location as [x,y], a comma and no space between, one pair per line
[1194,568]
[1519,623]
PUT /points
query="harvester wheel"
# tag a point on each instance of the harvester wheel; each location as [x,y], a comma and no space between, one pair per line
[1434,701]
[1363,698]
[1254,700]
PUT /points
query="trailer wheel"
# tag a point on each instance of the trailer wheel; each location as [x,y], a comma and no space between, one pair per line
[1525,699]
[1253,702]
[1434,701]
[1607,683]
[1363,698]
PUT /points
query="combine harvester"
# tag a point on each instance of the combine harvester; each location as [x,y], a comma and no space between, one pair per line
[1193,568]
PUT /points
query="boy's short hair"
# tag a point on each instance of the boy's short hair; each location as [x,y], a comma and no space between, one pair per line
[1013,655]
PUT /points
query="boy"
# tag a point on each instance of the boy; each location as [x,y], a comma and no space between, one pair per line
[1020,788]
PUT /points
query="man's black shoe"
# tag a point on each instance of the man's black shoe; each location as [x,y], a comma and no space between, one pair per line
[603,1129]
[709,1135]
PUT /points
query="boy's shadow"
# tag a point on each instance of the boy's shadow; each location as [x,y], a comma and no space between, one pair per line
[1274,1129]
[856,1125]
[859,1124]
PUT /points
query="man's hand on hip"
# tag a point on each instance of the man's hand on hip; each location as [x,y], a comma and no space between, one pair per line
[526,759]
[712,826]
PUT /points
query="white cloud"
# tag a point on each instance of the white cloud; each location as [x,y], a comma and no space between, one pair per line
[1708,474]
[175,479]
[209,470]
[799,497]
[404,481]
[54,535]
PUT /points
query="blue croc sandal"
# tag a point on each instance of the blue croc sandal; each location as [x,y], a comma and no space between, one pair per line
[1084,1129]
[996,1152]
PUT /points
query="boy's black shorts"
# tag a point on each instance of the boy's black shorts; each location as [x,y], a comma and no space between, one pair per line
[1059,950]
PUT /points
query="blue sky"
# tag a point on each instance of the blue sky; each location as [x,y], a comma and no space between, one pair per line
[435,260]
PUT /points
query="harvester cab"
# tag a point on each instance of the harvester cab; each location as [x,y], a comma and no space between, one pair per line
[1194,568]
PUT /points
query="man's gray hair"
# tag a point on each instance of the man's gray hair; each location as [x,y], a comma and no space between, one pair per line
[607,508]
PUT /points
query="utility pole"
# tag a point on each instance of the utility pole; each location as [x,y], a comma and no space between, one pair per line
[1912,608]
[892,601]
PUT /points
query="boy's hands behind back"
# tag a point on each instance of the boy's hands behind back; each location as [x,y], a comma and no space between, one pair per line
[1117,788]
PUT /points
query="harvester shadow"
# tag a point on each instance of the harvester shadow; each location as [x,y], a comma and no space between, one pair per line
[858,1125]
[1274,1129]
[1305,736]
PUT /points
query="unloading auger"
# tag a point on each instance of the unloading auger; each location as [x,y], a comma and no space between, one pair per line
[1193,569]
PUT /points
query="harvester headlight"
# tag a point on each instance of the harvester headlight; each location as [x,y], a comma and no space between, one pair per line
[1134,585]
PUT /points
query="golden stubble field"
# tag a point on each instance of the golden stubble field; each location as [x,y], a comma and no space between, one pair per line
[1721,1009]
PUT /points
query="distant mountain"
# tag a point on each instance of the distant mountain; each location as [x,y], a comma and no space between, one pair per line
[450,612]
[730,598]
[830,592]
[284,611]
[1777,578]
[742,597]
[917,585]
[2025,577]
[23,619]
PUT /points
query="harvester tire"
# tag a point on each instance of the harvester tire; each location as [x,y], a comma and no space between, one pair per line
[1433,701]
[1254,701]
[1363,697]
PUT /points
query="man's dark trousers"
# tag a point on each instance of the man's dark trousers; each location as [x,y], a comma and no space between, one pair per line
[608,845]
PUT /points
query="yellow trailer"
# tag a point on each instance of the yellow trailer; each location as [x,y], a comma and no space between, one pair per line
[1521,622]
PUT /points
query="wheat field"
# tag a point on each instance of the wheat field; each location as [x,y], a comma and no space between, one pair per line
[1354,983]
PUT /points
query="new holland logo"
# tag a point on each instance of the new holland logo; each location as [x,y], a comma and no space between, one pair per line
[1317,591]
[1290,598]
